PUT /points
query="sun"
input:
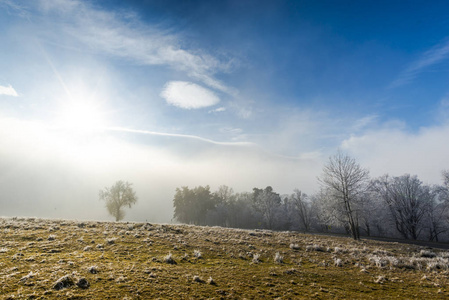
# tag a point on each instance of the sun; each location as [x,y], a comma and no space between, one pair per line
[81,117]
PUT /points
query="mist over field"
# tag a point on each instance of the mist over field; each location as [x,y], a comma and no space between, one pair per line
[63,177]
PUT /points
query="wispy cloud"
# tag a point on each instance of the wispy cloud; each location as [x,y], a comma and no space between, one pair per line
[121,34]
[231,130]
[188,95]
[13,7]
[431,57]
[220,109]
[8,91]
[364,122]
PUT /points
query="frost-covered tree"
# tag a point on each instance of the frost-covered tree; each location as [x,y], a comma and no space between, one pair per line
[117,197]
[408,200]
[438,213]
[374,216]
[344,183]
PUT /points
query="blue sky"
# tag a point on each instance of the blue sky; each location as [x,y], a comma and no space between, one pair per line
[242,93]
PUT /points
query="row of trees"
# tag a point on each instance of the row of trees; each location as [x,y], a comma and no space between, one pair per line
[348,201]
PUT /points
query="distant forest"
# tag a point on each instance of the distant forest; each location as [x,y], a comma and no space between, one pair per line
[349,201]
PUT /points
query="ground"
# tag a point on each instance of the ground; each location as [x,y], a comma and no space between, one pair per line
[44,259]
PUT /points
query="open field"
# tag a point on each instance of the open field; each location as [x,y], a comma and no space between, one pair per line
[41,259]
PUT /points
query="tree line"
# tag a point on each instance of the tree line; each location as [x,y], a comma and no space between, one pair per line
[348,201]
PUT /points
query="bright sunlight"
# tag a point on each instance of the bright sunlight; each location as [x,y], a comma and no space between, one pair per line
[81,117]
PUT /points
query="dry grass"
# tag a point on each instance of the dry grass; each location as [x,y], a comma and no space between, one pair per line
[45,259]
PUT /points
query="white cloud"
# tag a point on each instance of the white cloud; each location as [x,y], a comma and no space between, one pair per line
[188,95]
[8,91]
[395,151]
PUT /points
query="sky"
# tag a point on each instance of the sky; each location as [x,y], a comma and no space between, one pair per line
[165,94]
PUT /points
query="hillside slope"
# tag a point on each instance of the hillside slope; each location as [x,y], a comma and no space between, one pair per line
[42,259]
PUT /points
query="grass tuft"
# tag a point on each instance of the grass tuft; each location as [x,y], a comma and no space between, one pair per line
[169,259]
[278,258]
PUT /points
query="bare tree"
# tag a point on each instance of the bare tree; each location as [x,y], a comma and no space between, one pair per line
[116,197]
[408,200]
[302,206]
[225,193]
[344,182]
[438,213]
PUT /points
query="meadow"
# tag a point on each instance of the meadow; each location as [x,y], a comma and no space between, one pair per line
[45,259]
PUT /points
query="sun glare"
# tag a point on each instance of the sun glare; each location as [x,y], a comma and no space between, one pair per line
[81,118]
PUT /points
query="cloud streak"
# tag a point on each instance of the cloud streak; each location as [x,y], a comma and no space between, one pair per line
[8,91]
[431,57]
[186,136]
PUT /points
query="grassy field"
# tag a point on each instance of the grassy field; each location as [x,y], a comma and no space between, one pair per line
[44,259]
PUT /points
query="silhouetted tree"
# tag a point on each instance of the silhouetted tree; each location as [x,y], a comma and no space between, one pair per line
[192,205]
[116,197]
